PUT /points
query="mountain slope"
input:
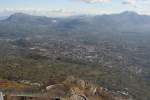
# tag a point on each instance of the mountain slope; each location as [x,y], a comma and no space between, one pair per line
[126,21]
[112,50]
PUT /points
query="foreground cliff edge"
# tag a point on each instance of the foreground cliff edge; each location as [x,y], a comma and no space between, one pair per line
[69,89]
[76,89]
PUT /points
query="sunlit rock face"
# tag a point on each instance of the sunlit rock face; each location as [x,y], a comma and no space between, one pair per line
[76,89]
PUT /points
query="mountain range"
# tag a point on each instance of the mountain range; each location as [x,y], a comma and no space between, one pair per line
[123,22]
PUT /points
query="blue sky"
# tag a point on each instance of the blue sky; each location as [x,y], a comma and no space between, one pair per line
[70,7]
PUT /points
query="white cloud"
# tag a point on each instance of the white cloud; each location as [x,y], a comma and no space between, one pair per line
[96,1]
[38,11]
[133,2]
[130,2]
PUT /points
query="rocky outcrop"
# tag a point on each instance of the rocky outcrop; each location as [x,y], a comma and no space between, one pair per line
[78,97]
[76,89]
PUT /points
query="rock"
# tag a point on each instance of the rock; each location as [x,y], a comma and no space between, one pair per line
[57,90]
[51,87]
[77,89]
[78,97]
[81,83]
[71,79]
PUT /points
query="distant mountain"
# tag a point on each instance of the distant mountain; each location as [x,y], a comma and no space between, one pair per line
[123,22]
[21,18]
[20,24]
[3,17]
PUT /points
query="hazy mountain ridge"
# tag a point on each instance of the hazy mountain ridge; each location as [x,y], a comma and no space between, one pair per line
[126,21]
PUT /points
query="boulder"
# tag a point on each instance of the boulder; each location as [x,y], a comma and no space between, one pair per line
[78,97]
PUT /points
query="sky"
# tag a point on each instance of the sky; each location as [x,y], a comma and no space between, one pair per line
[73,7]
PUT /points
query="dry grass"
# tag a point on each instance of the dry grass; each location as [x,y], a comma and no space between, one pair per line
[5,84]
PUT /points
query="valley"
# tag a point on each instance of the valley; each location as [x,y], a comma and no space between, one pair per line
[41,49]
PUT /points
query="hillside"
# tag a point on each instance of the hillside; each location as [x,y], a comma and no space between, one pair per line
[110,50]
